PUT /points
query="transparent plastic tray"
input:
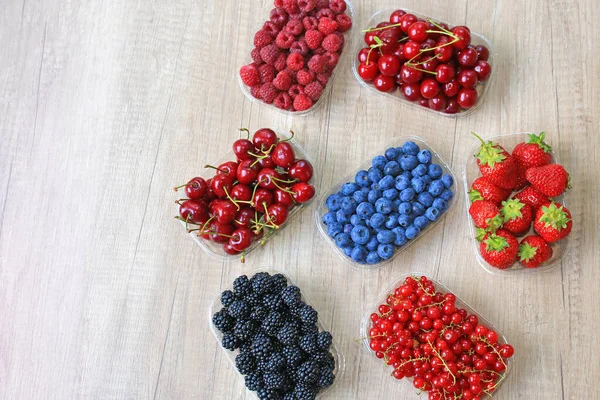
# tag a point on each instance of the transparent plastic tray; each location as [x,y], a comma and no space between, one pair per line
[471,172]
[366,321]
[476,40]
[322,208]
[327,89]
[334,349]
[215,250]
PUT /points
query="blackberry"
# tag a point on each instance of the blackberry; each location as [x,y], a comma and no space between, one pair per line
[239,309]
[254,381]
[325,379]
[253,299]
[320,356]
[222,321]
[307,315]
[261,345]
[308,372]
[324,340]
[230,342]
[245,363]
[269,394]
[328,362]
[259,313]
[291,296]
[244,330]
[289,396]
[241,286]
[261,283]
[309,329]
[272,323]
[227,298]
[272,301]
[305,392]
[288,334]
[262,365]
[293,355]
[308,343]
[246,347]
[273,380]
[276,362]
[278,283]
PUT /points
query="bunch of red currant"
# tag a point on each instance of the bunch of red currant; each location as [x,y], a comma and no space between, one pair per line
[431,63]
[423,335]
[249,198]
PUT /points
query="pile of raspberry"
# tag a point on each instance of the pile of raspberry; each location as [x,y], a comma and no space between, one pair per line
[296,51]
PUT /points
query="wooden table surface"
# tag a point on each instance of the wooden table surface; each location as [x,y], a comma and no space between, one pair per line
[106,105]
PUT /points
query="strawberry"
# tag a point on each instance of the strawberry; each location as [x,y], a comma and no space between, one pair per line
[553,222]
[534,251]
[533,153]
[496,164]
[521,179]
[551,179]
[486,215]
[483,189]
[499,249]
[533,197]
[517,216]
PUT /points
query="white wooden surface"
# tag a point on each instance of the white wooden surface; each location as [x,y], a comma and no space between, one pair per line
[105,105]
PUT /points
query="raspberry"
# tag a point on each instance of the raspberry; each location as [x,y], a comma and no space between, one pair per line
[278,16]
[269,54]
[344,22]
[317,64]
[314,90]
[325,13]
[291,73]
[331,59]
[250,75]
[284,40]
[302,102]
[299,46]
[331,43]
[270,27]
[320,51]
[321,4]
[268,92]
[283,101]
[267,73]
[304,77]
[337,6]
[255,54]
[307,5]
[291,6]
[279,64]
[278,3]
[262,38]
[327,26]
[295,91]
[313,39]
[294,27]
[282,81]
[310,23]
[323,78]
[295,61]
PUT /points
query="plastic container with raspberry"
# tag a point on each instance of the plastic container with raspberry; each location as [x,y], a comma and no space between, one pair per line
[296,53]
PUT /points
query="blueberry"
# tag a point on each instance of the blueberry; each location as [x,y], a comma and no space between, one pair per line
[436,188]
[329,217]
[407,194]
[419,170]
[347,250]
[410,148]
[391,221]
[391,153]
[396,204]
[373,258]
[379,162]
[355,219]
[360,234]
[349,188]
[342,239]
[372,244]
[342,218]
[359,196]
[399,236]
[404,220]
[375,186]
[402,182]
[440,204]
[432,213]
[447,180]
[385,236]
[385,251]
[359,254]
[362,178]
[421,222]
[334,202]
[390,194]
[435,171]
[427,179]
[377,220]
[348,228]
[400,152]
[365,210]
[408,162]
[367,222]
[373,195]
[417,184]
[349,205]
[383,206]
[425,199]
[447,195]
[334,228]
[424,156]
[418,209]
[392,168]
[412,232]
[387,182]
[375,174]
[405,208]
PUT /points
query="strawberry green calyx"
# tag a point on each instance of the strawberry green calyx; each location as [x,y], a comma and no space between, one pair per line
[489,153]
[527,252]
[480,233]
[554,216]
[495,243]
[475,195]
[511,209]
[493,224]
[539,140]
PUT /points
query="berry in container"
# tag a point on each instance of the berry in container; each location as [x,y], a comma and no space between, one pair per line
[273,337]
[515,201]
[257,187]
[386,203]
[296,53]
[425,62]
[422,332]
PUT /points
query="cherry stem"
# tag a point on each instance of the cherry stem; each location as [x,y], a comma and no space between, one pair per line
[382,28]
[206,223]
[176,188]
[218,169]
[268,216]
[264,239]
[283,180]
[290,138]
[179,201]
[284,189]
[438,25]
[230,198]
[243,257]
[253,194]
[421,62]
[247,132]
[420,69]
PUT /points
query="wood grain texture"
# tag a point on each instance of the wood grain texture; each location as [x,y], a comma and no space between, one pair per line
[105,105]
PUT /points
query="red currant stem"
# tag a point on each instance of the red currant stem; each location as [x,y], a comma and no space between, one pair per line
[218,169]
[382,28]
[290,138]
[442,360]
[411,360]
[431,305]
[176,188]
[421,286]
[247,132]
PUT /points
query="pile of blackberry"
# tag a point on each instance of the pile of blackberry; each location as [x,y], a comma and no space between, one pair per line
[281,352]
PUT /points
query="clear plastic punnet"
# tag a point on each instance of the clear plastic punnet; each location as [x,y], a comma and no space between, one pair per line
[476,39]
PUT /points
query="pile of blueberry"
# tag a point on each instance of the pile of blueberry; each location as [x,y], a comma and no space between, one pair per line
[388,204]
[282,354]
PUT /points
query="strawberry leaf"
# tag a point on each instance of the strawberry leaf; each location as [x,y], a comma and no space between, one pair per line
[527,252]
[489,153]
[539,140]
[480,234]
[493,224]
[555,217]
[474,195]
[495,243]
[511,209]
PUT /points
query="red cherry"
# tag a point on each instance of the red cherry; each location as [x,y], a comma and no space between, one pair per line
[438,102]
[241,239]
[370,37]
[263,198]
[242,148]
[303,192]
[390,38]
[266,162]
[228,249]
[407,20]
[483,53]
[277,214]
[418,31]
[452,106]
[228,168]
[467,57]
[283,155]
[464,35]
[368,54]
[301,170]
[389,65]
[223,210]
[483,70]
[369,71]
[467,78]
[443,51]
[451,88]
[241,192]
[196,188]
[444,73]
[244,217]
[384,83]
[246,172]
[283,198]
[220,232]
[430,64]
[429,88]
[267,178]
[194,211]
[396,16]
[210,195]
[412,91]
[411,49]
[399,52]
[467,98]
[264,138]
[221,185]
[410,75]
